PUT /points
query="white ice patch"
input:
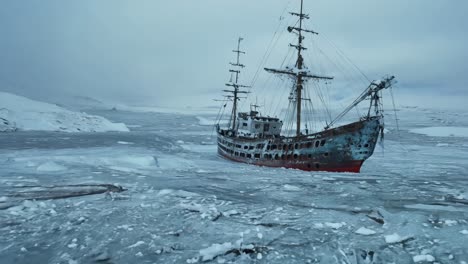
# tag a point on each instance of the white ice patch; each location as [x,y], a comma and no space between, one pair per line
[230,212]
[450,222]
[464,232]
[423,258]
[51,166]
[214,250]
[365,231]
[394,238]
[442,131]
[137,244]
[335,225]
[125,143]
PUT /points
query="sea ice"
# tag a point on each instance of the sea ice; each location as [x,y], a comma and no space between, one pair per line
[365,231]
[51,167]
[423,258]
[214,250]
[394,238]
[442,131]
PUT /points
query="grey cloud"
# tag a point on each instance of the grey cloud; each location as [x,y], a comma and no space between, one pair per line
[152,52]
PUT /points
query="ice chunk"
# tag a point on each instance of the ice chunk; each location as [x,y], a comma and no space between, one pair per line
[214,250]
[421,258]
[335,225]
[464,232]
[395,238]
[365,231]
[139,243]
[450,222]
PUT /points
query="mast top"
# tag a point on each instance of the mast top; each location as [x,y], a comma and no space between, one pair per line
[235,91]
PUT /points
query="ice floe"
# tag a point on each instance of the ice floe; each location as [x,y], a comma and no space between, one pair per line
[365,231]
[423,258]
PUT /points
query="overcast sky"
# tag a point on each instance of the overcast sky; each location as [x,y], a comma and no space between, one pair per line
[155,52]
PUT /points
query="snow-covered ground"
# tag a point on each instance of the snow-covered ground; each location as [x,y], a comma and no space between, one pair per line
[184,204]
[20,113]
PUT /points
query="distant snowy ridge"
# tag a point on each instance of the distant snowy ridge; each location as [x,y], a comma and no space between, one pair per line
[20,113]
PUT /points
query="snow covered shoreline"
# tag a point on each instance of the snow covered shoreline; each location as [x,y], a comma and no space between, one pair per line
[20,113]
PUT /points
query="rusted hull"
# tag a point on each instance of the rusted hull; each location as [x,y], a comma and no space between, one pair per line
[342,149]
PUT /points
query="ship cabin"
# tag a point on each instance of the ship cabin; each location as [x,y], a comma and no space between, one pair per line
[252,125]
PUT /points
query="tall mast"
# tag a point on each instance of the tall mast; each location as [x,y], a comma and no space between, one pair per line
[299,77]
[300,74]
[235,91]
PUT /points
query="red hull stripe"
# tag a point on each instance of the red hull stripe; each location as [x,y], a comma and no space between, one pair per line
[348,166]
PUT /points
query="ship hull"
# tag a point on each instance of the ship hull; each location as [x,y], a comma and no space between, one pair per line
[341,149]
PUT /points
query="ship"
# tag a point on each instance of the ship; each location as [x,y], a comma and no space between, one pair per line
[254,138]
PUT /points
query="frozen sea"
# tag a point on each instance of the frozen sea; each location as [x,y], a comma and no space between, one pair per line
[184,204]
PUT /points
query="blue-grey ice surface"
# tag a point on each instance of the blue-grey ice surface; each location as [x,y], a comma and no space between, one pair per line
[184,204]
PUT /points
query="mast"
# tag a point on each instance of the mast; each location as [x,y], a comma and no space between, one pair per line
[235,91]
[299,77]
[300,74]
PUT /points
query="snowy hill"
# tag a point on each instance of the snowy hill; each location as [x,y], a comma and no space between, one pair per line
[20,113]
